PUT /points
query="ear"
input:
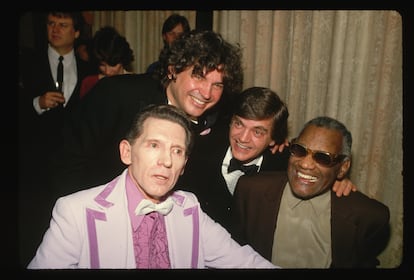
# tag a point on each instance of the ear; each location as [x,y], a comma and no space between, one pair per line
[345,165]
[77,34]
[125,152]
[182,170]
[171,72]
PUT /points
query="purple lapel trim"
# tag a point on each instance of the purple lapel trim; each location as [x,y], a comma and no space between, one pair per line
[101,198]
[91,216]
[179,199]
[196,234]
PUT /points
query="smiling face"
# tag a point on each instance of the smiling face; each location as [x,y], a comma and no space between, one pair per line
[195,94]
[308,178]
[157,158]
[249,138]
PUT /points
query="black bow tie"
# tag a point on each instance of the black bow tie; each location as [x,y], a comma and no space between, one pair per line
[237,165]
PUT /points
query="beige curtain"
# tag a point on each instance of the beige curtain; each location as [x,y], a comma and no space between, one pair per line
[344,64]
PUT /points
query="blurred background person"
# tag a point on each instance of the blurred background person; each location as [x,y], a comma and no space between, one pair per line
[111,53]
[83,49]
[174,26]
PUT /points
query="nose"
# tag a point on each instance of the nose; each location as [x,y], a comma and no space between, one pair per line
[55,27]
[244,135]
[165,159]
[205,90]
[307,162]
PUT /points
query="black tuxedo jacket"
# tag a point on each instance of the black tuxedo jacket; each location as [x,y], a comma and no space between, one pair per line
[203,176]
[359,225]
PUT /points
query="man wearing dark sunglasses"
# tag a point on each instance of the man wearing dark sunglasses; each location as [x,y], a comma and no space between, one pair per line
[295,220]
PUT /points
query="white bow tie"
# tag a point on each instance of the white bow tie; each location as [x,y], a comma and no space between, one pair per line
[146,206]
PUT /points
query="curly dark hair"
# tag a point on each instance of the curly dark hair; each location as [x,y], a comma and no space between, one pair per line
[206,51]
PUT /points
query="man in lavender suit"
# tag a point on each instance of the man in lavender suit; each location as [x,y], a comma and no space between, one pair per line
[137,220]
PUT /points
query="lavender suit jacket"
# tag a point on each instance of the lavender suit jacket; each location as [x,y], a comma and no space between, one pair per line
[92,229]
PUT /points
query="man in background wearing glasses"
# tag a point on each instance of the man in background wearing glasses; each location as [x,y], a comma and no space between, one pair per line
[306,225]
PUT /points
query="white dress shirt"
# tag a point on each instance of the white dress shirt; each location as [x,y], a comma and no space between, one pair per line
[232,177]
[70,76]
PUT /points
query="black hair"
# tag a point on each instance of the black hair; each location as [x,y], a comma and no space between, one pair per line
[206,51]
[164,112]
[111,47]
[259,103]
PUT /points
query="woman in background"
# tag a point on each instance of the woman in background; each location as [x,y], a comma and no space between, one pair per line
[112,54]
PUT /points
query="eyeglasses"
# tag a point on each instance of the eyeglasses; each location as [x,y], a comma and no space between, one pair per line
[323,158]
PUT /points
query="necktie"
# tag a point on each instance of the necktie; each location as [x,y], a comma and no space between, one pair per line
[150,243]
[237,165]
[146,206]
[59,79]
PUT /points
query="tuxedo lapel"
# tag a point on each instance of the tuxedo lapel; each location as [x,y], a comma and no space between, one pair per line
[183,232]
[108,217]
[109,223]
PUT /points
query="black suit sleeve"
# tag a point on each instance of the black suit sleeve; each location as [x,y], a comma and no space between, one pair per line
[360,230]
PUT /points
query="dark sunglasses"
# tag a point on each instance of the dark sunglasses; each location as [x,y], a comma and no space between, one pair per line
[323,158]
